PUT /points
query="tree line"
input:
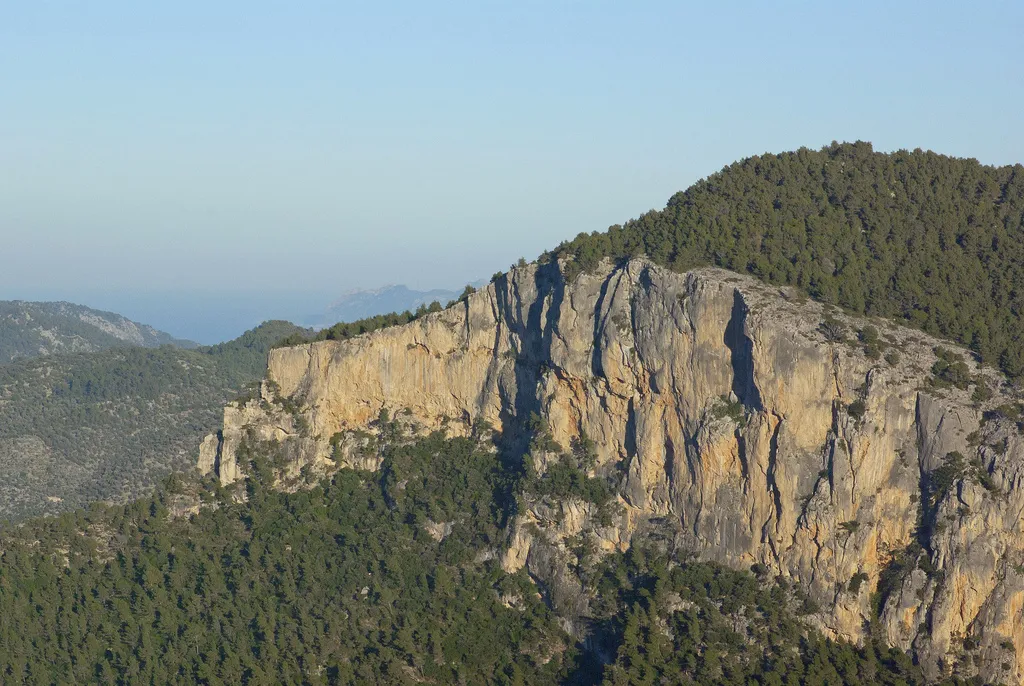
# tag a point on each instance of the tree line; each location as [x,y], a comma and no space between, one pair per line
[935,241]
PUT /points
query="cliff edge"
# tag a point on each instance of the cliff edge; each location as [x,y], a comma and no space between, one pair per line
[741,421]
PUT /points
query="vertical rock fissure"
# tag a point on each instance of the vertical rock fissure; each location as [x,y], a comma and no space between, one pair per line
[772,472]
[926,511]
[536,346]
[696,479]
[466,331]
[600,322]
[498,305]
[670,465]
[220,452]
[741,451]
[741,350]
[630,439]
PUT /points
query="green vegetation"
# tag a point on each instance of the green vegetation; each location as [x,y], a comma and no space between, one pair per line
[1013,412]
[833,330]
[873,345]
[343,331]
[31,329]
[856,581]
[900,565]
[337,584]
[698,623]
[393,577]
[379,578]
[567,476]
[932,240]
[733,409]
[943,477]
[850,527]
[564,478]
[246,356]
[346,330]
[109,425]
[950,370]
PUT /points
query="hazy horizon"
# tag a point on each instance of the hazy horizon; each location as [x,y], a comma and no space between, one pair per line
[202,167]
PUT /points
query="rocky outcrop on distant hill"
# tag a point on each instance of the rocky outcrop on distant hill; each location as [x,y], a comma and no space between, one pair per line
[877,469]
[31,329]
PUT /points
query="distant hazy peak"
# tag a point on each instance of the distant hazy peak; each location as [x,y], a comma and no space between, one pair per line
[362,303]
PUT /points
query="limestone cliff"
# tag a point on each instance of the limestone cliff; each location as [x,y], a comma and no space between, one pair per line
[740,428]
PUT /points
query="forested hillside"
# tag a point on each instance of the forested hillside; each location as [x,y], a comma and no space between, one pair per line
[934,240]
[379,578]
[31,329]
[108,425]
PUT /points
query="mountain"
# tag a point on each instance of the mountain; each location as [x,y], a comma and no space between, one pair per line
[875,469]
[108,425]
[729,442]
[362,304]
[31,329]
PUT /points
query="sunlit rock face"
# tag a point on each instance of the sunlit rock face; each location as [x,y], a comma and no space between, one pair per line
[738,425]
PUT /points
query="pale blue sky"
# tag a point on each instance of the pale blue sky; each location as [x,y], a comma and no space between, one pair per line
[272,151]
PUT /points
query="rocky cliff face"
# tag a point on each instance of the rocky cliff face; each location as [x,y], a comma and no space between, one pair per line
[741,431]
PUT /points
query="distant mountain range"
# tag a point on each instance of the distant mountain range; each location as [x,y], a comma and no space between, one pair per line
[360,304]
[33,329]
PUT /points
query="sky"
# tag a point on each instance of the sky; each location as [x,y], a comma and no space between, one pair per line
[201,166]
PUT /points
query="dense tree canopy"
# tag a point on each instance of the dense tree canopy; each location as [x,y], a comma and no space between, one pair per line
[934,240]
[389,577]
[338,583]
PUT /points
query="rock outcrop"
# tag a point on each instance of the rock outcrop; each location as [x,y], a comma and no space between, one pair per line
[739,425]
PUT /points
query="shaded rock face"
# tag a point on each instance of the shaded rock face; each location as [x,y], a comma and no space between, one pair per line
[737,428]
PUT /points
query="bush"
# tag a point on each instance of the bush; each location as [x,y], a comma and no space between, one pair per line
[941,479]
[868,335]
[733,409]
[950,370]
[850,527]
[981,391]
[832,330]
[856,581]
